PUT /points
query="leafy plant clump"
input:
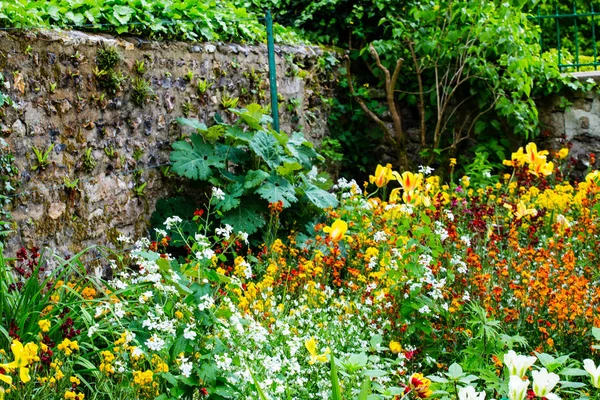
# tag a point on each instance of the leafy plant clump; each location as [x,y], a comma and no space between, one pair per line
[141,91]
[220,20]
[254,166]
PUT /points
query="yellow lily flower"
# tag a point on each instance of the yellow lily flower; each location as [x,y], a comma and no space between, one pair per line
[533,155]
[593,180]
[411,197]
[517,159]
[336,230]
[562,153]
[311,346]
[541,167]
[382,175]
[408,180]
[523,211]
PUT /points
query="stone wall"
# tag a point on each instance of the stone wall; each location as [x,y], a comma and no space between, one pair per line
[112,145]
[573,121]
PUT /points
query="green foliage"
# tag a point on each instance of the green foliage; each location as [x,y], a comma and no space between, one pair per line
[9,181]
[109,80]
[548,28]
[89,162]
[254,165]
[141,91]
[107,58]
[4,98]
[42,157]
[227,21]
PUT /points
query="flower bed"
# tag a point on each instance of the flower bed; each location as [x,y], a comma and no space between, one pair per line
[417,289]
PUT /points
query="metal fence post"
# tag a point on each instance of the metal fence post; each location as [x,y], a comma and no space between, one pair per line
[272,71]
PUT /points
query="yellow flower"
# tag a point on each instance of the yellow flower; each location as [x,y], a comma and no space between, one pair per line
[68,346]
[336,230]
[541,167]
[382,175]
[593,180]
[408,180]
[452,162]
[75,396]
[411,197]
[44,325]
[311,346]
[466,181]
[523,211]
[395,347]
[23,356]
[562,153]
[533,155]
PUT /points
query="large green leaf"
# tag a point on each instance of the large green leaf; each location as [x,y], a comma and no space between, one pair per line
[122,13]
[302,150]
[277,189]
[232,197]
[193,123]
[246,219]
[255,178]
[194,160]
[267,148]
[319,197]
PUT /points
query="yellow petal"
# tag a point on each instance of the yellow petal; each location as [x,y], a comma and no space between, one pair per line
[6,379]
[24,375]
[311,346]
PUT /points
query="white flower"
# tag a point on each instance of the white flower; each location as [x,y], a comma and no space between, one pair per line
[93,329]
[185,368]
[124,239]
[518,364]
[188,333]
[517,388]
[594,372]
[161,232]
[169,222]
[155,343]
[425,310]
[201,239]
[218,193]
[425,170]
[469,393]
[225,232]
[243,236]
[206,302]
[380,236]
[544,382]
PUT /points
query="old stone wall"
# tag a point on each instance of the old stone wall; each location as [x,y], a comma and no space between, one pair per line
[573,120]
[111,128]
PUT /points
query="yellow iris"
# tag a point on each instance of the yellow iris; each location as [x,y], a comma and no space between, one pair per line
[336,230]
[23,355]
[311,346]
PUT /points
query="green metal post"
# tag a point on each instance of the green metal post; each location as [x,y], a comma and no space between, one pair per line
[558,41]
[594,40]
[272,71]
[576,38]
[539,21]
